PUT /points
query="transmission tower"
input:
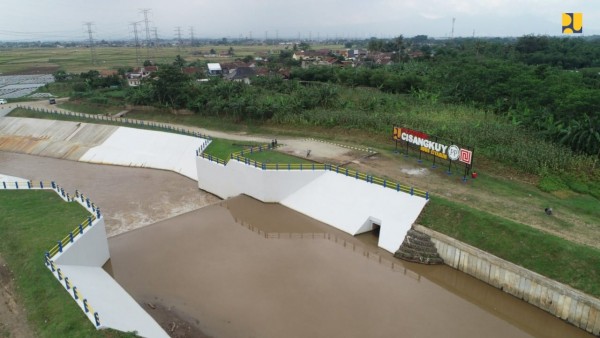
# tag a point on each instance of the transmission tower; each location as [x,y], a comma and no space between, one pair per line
[91,40]
[137,43]
[178,30]
[452,34]
[147,28]
[155,31]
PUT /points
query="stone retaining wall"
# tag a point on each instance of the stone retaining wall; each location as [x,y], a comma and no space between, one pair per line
[563,301]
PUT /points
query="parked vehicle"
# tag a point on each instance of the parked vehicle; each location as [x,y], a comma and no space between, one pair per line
[3,101]
[52,101]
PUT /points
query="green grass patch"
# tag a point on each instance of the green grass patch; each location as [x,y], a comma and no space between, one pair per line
[223,148]
[90,108]
[551,183]
[276,157]
[30,223]
[556,258]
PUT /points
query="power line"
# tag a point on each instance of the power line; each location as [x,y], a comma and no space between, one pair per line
[178,30]
[147,28]
[137,43]
[91,40]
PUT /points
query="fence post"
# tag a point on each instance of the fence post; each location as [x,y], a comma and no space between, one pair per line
[87,200]
[397,186]
[71,236]
[90,220]
[59,274]
[98,213]
[81,229]
[67,284]
[412,191]
[97,318]
[427,195]
[276,166]
[385,183]
[28,185]
[4,184]
[60,246]
[16,184]
[52,266]
[85,306]
[53,185]
[41,185]
[75,293]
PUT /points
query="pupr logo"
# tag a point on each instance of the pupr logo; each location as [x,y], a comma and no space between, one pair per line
[572,23]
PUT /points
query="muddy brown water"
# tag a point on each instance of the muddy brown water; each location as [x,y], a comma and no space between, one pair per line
[241,268]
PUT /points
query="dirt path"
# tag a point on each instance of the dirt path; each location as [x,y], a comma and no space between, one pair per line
[13,320]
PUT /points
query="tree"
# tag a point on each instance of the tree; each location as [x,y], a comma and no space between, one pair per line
[179,61]
[304,46]
[147,63]
[230,51]
[60,75]
[212,51]
[171,86]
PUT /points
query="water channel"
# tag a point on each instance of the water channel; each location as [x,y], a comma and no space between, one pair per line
[242,268]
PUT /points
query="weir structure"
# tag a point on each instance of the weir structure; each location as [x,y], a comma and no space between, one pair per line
[348,200]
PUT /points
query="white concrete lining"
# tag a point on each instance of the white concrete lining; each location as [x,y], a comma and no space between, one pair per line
[146,148]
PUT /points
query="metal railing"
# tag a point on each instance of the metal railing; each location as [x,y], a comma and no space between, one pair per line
[239,156]
[81,301]
[124,120]
[63,244]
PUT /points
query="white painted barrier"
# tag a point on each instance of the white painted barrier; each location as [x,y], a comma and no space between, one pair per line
[344,202]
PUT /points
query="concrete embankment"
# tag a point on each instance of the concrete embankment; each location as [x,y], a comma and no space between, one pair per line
[574,306]
[96,143]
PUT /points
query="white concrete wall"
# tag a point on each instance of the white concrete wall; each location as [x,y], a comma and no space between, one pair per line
[238,178]
[349,204]
[150,149]
[91,249]
[116,308]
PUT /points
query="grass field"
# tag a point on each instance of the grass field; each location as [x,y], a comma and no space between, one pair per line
[551,256]
[30,223]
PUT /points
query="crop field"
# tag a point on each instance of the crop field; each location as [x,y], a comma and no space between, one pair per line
[79,59]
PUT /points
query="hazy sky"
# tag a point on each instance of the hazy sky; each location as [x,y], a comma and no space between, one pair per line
[33,20]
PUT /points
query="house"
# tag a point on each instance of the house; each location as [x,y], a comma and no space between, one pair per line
[311,55]
[134,78]
[241,74]
[232,66]
[192,71]
[214,69]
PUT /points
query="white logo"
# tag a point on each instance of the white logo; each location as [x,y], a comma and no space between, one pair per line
[453,152]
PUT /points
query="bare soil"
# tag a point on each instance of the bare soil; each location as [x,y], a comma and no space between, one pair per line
[13,320]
